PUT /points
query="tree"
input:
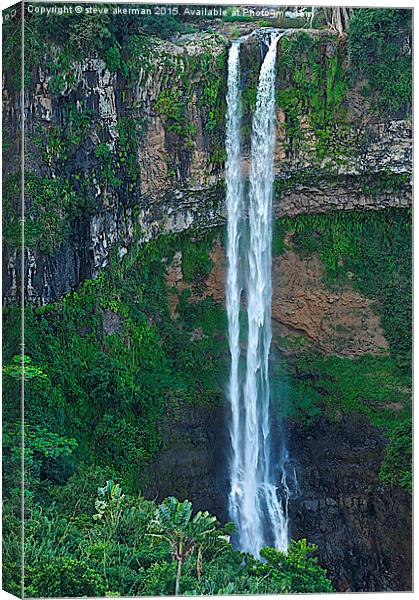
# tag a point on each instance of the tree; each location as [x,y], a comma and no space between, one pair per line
[205,532]
[337,18]
[296,572]
[170,524]
[173,523]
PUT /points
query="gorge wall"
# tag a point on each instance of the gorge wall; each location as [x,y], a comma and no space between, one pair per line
[362,528]
[361,525]
[115,159]
[167,155]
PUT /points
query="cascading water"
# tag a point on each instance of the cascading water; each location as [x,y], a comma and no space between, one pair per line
[234,200]
[259,514]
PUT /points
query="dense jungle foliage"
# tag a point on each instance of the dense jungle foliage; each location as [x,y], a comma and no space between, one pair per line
[104,363]
[114,350]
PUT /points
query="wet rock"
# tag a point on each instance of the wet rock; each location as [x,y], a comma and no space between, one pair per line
[364,535]
[362,528]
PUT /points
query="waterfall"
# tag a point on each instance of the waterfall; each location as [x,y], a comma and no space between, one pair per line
[254,503]
[234,201]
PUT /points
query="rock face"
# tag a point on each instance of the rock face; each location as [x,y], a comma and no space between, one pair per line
[178,173]
[362,528]
[341,322]
[192,463]
[50,276]
[341,193]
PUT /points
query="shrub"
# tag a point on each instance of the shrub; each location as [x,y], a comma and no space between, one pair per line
[377,39]
[63,576]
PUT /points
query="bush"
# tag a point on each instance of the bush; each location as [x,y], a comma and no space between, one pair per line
[113,59]
[63,576]
[397,466]
[377,39]
[297,571]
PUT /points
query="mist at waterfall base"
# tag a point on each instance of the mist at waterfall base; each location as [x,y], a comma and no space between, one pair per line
[259,490]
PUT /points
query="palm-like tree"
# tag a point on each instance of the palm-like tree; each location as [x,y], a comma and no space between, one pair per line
[205,532]
[170,524]
[173,523]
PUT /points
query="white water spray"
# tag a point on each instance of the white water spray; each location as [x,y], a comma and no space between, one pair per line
[255,507]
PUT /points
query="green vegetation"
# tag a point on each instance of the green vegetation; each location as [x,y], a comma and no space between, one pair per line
[113,36]
[313,82]
[133,547]
[370,385]
[196,263]
[229,16]
[373,386]
[53,203]
[371,185]
[12,194]
[126,360]
[173,523]
[314,78]
[296,572]
[125,43]
[126,357]
[126,369]
[212,101]
[173,105]
[113,160]
[59,144]
[378,42]
[397,466]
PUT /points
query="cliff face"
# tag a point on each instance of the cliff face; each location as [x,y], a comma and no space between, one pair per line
[136,159]
[135,156]
[362,528]
[361,525]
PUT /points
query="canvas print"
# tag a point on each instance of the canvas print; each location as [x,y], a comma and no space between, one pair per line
[206,299]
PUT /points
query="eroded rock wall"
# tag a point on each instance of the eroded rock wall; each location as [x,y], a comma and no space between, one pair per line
[362,528]
[148,162]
